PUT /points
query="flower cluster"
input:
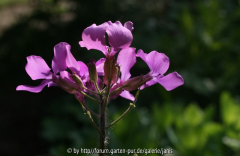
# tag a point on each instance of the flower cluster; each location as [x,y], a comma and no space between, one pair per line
[109,75]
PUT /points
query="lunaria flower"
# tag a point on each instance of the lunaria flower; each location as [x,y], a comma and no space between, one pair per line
[159,64]
[119,37]
[37,68]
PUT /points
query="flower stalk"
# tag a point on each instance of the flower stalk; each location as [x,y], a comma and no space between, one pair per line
[87,112]
[93,123]
[88,96]
[102,140]
[131,106]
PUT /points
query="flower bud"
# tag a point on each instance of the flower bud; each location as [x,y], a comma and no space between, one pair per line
[77,80]
[92,71]
[110,70]
[136,82]
[65,84]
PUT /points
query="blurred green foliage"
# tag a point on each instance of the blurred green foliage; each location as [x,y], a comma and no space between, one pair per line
[201,38]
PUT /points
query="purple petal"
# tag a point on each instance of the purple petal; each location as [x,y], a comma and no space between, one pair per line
[171,81]
[64,59]
[126,94]
[71,62]
[157,62]
[65,75]
[37,68]
[83,67]
[129,25]
[119,37]
[126,59]
[99,66]
[50,84]
[93,37]
[142,55]
[59,58]
[34,89]
[149,83]
[100,61]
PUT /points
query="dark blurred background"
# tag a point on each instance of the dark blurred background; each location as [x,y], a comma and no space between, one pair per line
[201,38]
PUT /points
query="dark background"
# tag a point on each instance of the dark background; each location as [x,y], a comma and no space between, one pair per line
[201,38]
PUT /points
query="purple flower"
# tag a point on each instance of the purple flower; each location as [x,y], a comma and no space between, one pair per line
[119,37]
[126,59]
[159,64]
[37,68]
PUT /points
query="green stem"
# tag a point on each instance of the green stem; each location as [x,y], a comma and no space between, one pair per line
[92,121]
[107,96]
[131,106]
[103,90]
[87,112]
[96,86]
[85,107]
[91,110]
[116,90]
[102,128]
[88,96]
[91,91]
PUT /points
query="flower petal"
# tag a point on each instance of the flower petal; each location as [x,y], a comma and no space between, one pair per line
[50,84]
[93,37]
[64,59]
[59,58]
[129,25]
[71,62]
[119,37]
[83,67]
[65,75]
[157,62]
[100,61]
[34,89]
[126,94]
[142,55]
[37,68]
[171,81]
[126,59]
[149,83]
[100,66]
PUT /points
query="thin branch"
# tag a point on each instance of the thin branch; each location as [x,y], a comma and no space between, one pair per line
[88,96]
[116,90]
[87,112]
[92,121]
[131,106]
[96,86]
[86,108]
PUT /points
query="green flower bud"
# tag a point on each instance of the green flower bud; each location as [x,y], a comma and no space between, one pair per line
[77,80]
[136,82]
[110,70]
[92,71]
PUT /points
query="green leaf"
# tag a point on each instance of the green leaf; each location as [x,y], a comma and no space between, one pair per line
[230,111]
[193,115]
